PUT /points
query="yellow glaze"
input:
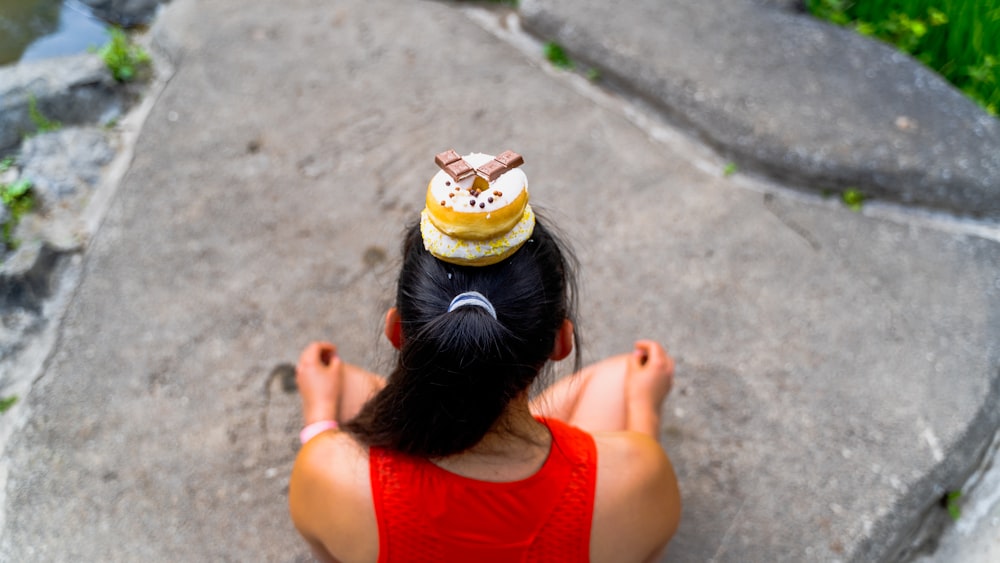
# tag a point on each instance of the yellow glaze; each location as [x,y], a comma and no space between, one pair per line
[468,225]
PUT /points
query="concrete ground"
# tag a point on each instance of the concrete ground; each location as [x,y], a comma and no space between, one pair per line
[837,371]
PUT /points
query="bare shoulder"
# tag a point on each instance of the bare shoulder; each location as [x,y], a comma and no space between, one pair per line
[330,498]
[637,504]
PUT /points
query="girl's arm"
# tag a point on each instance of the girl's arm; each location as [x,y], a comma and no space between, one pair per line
[637,506]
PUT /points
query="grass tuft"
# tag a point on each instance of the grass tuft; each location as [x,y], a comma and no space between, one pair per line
[7,402]
[18,198]
[951,503]
[42,124]
[853,198]
[557,56]
[122,57]
[960,39]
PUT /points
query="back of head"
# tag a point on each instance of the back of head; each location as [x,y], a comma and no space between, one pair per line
[457,371]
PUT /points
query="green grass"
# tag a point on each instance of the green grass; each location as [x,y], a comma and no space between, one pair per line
[960,39]
[7,402]
[951,504]
[42,124]
[853,198]
[18,198]
[122,57]
[557,56]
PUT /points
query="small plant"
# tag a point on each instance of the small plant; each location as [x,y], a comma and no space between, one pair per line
[42,124]
[122,57]
[951,503]
[958,39]
[557,56]
[853,198]
[729,170]
[834,11]
[7,402]
[593,74]
[18,199]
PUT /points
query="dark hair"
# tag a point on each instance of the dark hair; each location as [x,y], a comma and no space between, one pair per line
[456,372]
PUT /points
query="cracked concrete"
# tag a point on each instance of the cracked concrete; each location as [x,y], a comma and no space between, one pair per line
[837,371]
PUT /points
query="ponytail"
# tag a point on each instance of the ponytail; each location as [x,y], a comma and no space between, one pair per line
[458,369]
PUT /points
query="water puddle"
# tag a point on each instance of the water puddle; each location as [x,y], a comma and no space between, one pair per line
[40,29]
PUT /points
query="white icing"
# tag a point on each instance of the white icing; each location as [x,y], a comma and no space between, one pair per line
[457,251]
[510,184]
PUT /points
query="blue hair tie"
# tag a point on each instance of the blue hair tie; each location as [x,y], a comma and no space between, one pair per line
[473,299]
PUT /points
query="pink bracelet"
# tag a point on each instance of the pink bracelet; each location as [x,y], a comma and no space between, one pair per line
[311,430]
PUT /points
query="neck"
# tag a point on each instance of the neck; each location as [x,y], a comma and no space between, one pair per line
[514,430]
[514,448]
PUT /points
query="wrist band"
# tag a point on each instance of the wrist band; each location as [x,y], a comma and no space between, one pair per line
[311,430]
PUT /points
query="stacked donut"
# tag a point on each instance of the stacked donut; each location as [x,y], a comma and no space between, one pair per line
[477,209]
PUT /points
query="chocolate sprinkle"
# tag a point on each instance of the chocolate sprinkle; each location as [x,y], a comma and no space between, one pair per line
[482,205]
[490,199]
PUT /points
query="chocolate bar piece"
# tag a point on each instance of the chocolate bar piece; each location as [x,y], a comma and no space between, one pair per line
[446,158]
[491,170]
[509,159]
[459,170]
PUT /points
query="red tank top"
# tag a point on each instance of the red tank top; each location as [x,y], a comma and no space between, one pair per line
[426,513]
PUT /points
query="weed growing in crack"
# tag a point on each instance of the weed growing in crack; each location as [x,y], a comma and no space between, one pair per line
[18,198]
[42,123]
[557,56]
[123,57]
[951,504]
[7,402]
[853,198]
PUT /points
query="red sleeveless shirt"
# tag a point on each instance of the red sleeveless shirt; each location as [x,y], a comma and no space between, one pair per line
[426,513]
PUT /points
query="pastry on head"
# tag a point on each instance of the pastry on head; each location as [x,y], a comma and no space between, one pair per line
[477,209]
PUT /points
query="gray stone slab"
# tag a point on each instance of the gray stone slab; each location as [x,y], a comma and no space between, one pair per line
[71,90]
[792,97]
[836,372]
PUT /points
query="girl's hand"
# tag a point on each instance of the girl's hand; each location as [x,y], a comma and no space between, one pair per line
[319,374]
[650,373]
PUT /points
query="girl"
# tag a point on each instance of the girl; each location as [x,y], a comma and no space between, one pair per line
[449,459]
